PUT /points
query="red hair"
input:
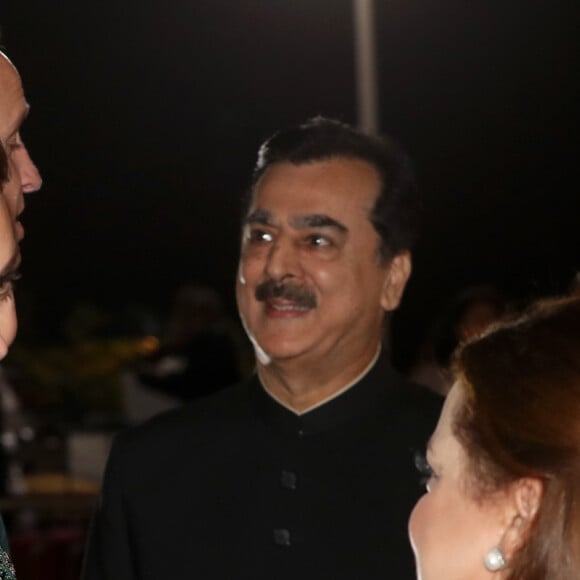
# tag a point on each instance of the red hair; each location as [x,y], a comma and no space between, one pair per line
[521,418]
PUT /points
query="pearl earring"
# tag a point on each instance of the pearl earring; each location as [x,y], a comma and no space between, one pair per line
[494,560]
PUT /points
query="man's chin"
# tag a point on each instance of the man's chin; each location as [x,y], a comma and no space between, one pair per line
[281,339]
[269,351]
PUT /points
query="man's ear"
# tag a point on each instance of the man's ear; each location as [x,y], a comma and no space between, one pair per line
[525,498]
[397,273]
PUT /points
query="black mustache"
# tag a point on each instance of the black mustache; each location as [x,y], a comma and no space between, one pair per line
[297,294]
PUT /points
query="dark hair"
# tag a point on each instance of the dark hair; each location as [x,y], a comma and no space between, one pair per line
[446,329]
[395,213]
[521,418]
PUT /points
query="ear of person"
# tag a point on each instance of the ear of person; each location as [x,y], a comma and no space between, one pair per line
[524,498]
[397,273]
[526,494]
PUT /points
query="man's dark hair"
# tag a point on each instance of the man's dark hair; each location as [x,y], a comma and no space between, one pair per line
[395,213]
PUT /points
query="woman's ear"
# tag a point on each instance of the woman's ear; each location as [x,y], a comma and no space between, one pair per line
[528,496]
[525,499]
[397,272]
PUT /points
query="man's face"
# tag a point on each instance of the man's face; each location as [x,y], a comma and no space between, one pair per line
[23,175]
[310,284]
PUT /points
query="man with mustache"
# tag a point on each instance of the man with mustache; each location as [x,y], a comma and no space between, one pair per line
[305,471]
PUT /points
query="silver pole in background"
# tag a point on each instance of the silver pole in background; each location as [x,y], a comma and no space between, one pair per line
[367,93]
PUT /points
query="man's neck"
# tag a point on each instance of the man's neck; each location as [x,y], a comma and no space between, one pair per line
[301,388]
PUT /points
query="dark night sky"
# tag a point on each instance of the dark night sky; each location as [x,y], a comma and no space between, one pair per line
[146,117]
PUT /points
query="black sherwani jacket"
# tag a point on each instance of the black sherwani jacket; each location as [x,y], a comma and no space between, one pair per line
[235,486]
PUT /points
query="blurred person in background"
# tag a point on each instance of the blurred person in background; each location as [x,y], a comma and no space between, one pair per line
[197,356]
[467,316]
[503,465]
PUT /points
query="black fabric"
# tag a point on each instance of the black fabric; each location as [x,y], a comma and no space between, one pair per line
[236,486]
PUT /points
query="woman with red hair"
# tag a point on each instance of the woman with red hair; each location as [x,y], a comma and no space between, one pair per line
[503,465]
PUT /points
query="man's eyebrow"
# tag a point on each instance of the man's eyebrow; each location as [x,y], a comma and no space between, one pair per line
[317,220]
[259,216]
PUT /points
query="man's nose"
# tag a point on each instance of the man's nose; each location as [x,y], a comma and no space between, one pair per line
[282,260]
[29,175]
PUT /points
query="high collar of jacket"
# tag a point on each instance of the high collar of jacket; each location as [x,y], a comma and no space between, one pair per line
[361,400]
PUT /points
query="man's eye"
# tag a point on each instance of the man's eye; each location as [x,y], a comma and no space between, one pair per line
[319,241]
[260,236]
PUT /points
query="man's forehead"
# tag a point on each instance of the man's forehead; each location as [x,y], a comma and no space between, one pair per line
[323,181]
[308,215]
[13,106]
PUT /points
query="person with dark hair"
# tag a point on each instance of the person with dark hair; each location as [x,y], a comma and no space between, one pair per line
[306,470]
[184,366]
[467,316]
[503,465]
[23,176]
